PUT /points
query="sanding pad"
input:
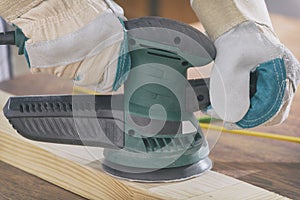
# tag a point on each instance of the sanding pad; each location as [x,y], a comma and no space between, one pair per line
[159,175]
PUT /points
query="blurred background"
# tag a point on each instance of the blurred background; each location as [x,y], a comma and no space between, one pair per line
[181,10]
[174,9]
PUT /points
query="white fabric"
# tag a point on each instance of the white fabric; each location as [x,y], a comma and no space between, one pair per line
[99,71]
[56,18]
[12,9]
[240,51]
[220,16]
[244,38]
[99,34]
[78,39]
[115,8]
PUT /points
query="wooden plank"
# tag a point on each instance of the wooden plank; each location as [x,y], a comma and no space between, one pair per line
[266,163]
[56,164]
[17,184]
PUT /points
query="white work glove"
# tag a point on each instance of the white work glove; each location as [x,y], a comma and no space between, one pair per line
[242,50]
[246,43]
[73,39]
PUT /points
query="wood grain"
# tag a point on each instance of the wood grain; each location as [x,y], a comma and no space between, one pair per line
[273,165]
[54,163]
[12,178]
[38,84]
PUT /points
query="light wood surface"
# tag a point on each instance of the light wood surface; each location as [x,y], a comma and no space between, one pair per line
[272,165]
[54,164]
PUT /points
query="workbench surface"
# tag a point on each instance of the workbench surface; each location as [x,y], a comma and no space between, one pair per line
[269,164]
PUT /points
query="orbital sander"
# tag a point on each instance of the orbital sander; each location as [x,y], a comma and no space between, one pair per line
[149,133]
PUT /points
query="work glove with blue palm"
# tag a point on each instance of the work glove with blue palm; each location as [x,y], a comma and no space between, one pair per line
[77,39]
[248,54]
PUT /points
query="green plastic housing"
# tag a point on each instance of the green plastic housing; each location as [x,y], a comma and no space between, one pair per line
[157,89]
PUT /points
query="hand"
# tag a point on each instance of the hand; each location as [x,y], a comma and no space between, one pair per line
[78,39]
[251,49]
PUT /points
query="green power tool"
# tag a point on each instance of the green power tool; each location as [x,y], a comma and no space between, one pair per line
[149,133]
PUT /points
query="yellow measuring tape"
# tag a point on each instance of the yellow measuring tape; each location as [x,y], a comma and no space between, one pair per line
[82,90]
[252,133]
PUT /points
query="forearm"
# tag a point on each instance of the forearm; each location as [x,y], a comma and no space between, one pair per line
[12,9]
[219,16]
[74,39]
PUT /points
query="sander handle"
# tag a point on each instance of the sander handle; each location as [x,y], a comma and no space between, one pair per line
[7,38]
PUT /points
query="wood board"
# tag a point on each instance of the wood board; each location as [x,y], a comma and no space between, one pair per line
[74,169]
[287,30]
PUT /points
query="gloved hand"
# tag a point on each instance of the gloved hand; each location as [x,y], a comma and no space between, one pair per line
[77,39]
[247,47]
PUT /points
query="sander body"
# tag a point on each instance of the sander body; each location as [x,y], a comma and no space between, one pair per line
[150,132]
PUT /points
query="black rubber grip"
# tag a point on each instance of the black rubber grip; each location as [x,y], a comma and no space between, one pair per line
[7,38]
[61,119]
